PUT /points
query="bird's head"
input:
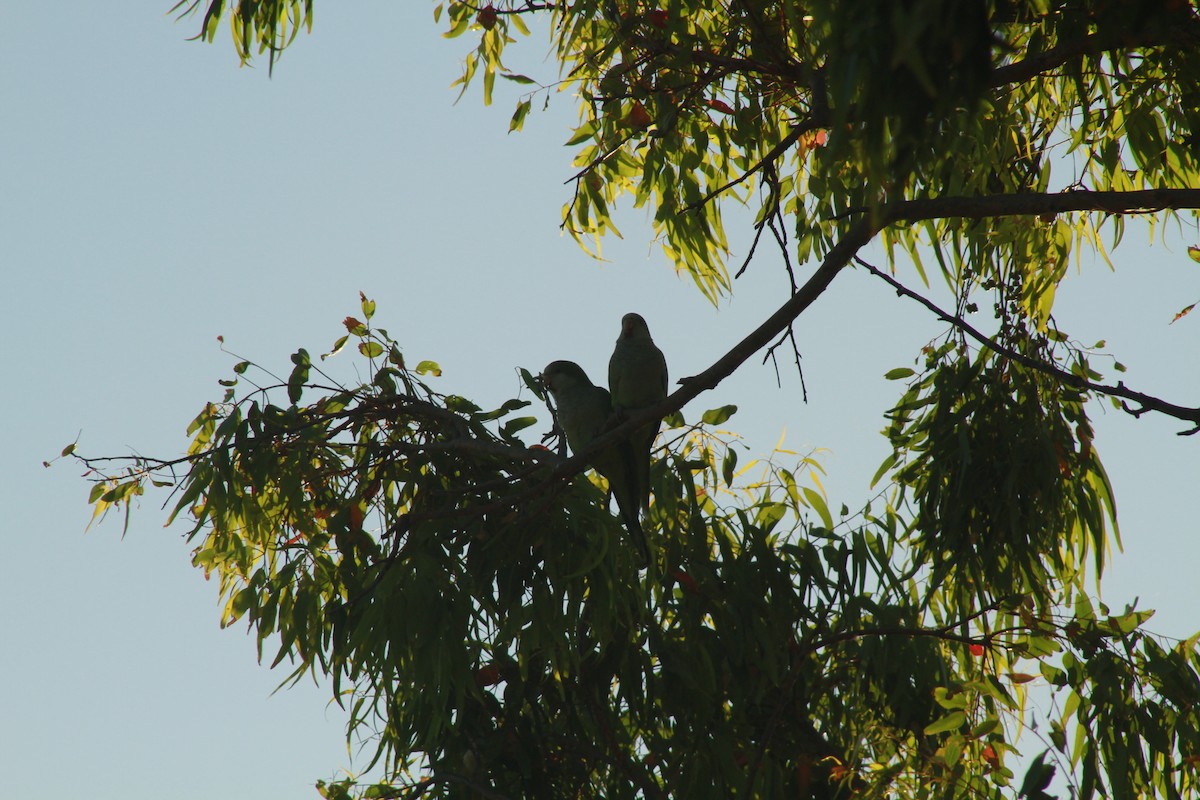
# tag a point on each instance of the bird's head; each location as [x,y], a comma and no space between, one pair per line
[562,375]
[633,326]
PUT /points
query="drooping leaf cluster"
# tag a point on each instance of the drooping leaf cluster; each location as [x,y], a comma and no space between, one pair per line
[815,113]
[999,464]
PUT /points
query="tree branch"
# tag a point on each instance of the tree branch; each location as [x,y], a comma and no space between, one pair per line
[856,237]
[1186,34]
[863,231]
[1028,204]
[1147,402]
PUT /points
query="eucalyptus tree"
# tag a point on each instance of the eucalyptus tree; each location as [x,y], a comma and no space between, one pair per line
[466,589]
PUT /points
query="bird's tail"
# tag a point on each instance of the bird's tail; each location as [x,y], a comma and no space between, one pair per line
[628,498]
[634,526]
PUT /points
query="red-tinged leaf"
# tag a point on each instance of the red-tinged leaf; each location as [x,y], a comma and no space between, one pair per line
[638,117]
[821,137]
[487,17]
[488,675]
[351,323]
[356,517]
[719,105]
[1194,253]
[839,772]
[687,581]
[977,650]
[1020,677]
[989,755]
[1182,313]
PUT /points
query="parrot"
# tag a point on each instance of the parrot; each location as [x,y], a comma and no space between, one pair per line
[584,410]
[637,377]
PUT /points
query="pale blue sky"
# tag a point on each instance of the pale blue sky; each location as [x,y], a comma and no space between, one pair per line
[153,195]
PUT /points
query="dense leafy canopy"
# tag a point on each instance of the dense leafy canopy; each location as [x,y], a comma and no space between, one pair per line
[472,599]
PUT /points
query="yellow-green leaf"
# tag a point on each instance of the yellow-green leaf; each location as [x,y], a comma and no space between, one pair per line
[371,349]
[951,722]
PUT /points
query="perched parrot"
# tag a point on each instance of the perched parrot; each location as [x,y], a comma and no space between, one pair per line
[637,377]
[584,410]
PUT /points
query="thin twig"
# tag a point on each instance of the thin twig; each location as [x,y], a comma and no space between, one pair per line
[1145,401]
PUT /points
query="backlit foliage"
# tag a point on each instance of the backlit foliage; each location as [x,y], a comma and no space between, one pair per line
[474,604]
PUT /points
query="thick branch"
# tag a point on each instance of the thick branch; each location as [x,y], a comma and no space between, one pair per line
[1030,204]
[908,211]
[1186,34]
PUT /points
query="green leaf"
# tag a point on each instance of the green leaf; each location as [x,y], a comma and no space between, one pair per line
[1129,622]
[951,722]
[1038,777]
[531,382]
[429,368]
[298,377]
[337,347]
[518,118]
[584,132]
[370,349]
[1194,253]
[716,416]
[817,503]
[952,749]
[898,373]
[506,408]
[729,466]
[887,464]
[66,451]
[516,78]
[460,404]
[516,424]
[458,28]
[989,725]
[241,603]
[489,82]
